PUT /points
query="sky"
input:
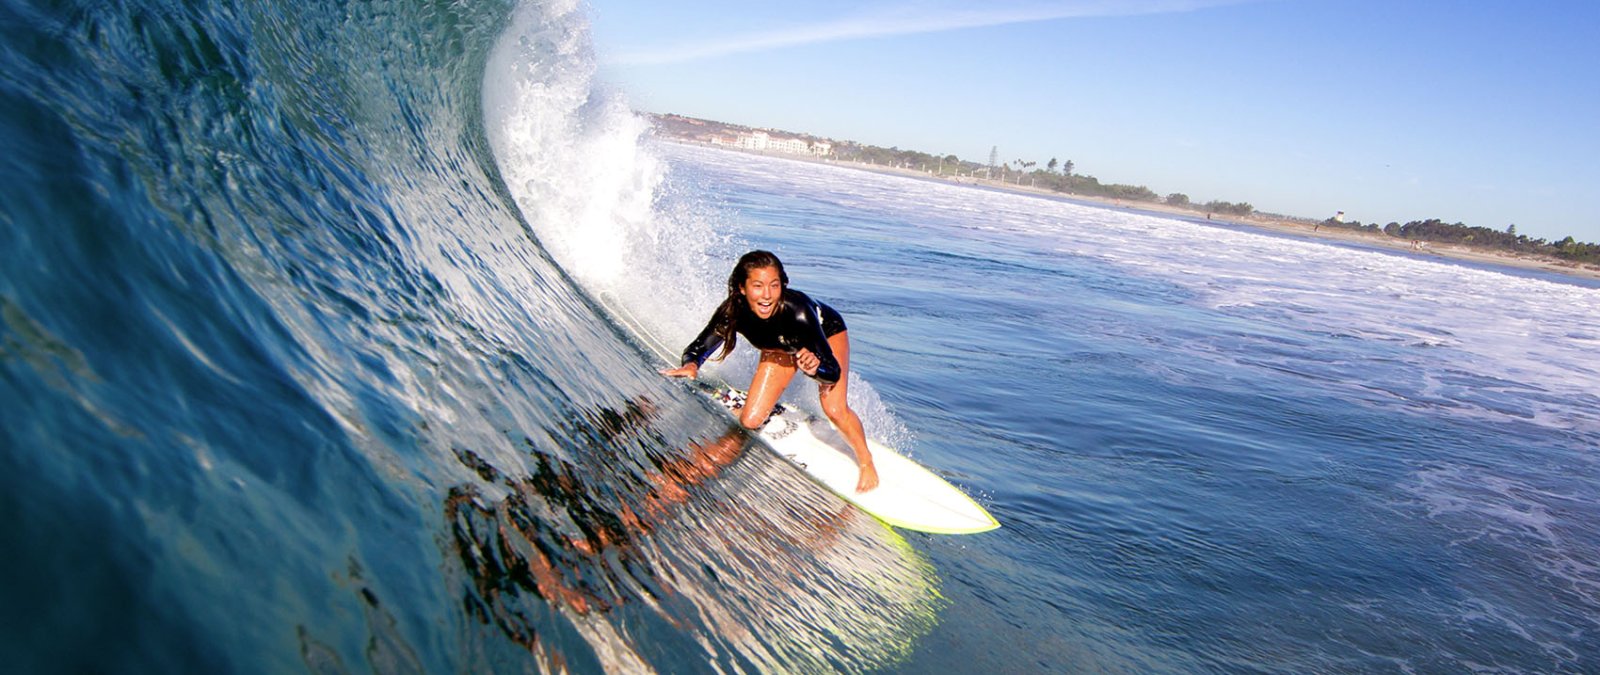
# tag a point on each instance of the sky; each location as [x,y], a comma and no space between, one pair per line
[1482,112]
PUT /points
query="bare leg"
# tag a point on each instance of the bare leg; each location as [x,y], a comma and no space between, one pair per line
[835,404]
[772,376]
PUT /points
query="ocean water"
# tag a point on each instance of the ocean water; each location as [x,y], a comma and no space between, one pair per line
[1213,450]
[304,366]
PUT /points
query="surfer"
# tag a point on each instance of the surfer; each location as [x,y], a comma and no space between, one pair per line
[793,333]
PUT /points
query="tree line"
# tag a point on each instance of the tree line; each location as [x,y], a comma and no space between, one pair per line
[1059,176]
[1056,175]
[1437,231]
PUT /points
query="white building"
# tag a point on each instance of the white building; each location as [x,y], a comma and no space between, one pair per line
[793,146]
[756,141]
[761,141]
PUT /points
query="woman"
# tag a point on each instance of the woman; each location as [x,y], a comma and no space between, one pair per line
[793,333]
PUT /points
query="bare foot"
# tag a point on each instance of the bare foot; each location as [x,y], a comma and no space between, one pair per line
[869,479]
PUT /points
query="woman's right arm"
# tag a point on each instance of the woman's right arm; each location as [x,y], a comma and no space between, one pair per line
[690,370]
[697,351]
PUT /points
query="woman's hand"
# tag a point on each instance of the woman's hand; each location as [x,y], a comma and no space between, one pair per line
[807,361]
[690,370]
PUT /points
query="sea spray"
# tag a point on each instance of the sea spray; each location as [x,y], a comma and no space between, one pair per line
[601,202]
[290,382]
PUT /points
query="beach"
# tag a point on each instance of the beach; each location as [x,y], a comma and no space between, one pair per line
[1277,224]
[1281,225]
[1295,227]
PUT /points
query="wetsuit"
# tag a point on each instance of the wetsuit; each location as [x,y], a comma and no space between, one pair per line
[797,321]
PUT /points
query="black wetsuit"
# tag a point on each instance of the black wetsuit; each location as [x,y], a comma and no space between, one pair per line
[797,321]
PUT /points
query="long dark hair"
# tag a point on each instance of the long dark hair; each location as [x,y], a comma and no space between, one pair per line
[728,311]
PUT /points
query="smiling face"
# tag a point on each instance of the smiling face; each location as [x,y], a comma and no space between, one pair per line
[762,289]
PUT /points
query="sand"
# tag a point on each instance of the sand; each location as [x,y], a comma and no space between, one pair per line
[1294,227]
[1299,228]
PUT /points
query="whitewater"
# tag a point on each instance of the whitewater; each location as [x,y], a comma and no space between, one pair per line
[304,367]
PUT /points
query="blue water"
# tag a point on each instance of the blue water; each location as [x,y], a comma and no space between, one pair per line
[303,367]
[1213,450]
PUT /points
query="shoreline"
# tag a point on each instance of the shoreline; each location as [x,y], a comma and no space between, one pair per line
[1278,225]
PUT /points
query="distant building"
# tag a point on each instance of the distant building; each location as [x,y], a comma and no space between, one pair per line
[755,141]
[793,146]
[761,141]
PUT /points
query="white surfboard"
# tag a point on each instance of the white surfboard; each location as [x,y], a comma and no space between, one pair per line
[908,494]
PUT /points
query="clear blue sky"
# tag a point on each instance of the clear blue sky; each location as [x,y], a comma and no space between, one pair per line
[1485,112]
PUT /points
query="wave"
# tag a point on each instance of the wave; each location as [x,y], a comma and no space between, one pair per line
[301,368]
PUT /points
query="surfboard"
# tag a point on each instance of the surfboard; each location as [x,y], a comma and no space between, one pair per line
[908,496]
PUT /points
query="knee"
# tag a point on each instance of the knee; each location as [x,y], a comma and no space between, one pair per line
[837,411]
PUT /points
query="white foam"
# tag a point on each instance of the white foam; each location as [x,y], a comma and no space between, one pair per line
[1448,323]
[572,156]
[601,202]
[1538,525]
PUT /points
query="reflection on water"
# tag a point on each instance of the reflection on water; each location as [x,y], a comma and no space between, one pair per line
[387,649]
[716,549]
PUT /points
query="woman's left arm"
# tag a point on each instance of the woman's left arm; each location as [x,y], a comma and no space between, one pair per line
[818,361]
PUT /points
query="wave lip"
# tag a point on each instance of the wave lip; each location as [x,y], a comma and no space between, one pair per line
[299,373]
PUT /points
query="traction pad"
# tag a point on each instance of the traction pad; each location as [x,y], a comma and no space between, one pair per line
[733,400]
